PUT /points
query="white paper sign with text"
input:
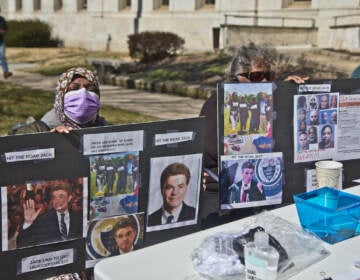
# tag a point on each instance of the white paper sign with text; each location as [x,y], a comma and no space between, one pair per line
[113,142]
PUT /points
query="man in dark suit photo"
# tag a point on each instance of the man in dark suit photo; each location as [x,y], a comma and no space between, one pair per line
[124,233]
[58,224]
[247,189]
[174,182]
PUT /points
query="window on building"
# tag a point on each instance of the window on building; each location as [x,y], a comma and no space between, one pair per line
[58,4]
[82,5]
[37,5]
[124,5]
[298,4]
[207,4]
[163,4]
[18,5]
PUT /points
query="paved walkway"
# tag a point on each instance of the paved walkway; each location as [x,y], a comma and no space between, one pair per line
[162,106]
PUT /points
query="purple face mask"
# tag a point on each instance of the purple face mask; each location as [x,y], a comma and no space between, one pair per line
[81,105]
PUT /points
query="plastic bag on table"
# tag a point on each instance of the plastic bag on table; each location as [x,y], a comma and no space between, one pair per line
[221,256]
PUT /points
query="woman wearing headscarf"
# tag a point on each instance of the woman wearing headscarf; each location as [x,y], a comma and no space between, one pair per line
[77,102]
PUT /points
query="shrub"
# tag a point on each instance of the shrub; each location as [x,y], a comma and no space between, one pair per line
[154,46]
[29,33]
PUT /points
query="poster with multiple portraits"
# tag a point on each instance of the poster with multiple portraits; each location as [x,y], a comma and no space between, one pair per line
[315,123]
[91,188]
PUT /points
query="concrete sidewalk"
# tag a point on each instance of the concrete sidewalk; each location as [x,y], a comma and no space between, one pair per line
[163,106]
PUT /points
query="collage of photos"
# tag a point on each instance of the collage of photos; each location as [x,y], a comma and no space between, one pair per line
[41,212]
[113,236]
[248,116]
[174,191]
[315,126]
[114,184]
[251,180]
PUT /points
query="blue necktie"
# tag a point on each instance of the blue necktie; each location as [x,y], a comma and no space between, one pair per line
[170,219]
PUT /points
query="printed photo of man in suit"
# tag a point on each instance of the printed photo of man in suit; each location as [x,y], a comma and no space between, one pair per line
[124,233]
[174,183]
[247,189]
[57,224]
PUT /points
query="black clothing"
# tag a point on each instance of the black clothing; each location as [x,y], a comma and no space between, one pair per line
[45,229]
[187,213]
[3,26]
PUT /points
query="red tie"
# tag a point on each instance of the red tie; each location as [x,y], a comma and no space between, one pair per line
[243,196]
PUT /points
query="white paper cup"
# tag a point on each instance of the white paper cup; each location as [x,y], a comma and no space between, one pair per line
[328,173]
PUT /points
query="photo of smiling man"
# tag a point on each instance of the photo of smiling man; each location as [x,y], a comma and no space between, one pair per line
[178,188]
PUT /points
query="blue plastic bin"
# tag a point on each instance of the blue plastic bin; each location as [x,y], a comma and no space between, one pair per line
[331,214]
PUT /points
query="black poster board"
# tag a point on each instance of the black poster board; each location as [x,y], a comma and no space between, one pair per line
[283,130]
[49,157]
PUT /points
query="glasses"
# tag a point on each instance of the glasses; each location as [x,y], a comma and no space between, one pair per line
[258,76]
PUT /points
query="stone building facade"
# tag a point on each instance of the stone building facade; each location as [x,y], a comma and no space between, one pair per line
[204,24]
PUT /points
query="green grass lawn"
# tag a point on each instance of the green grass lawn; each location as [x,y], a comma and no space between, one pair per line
[17,103]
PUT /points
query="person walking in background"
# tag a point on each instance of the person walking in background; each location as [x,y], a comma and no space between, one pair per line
[4,65]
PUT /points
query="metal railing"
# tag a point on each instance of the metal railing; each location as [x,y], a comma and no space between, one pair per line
[284,21]
[336,18]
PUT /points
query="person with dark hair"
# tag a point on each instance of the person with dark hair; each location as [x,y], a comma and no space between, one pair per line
[302,126]
[313,104]
[244,113]
[333,117]
[234,111]
[301,114]
[100,169]
[58,224]
[333,101]
[326,137]
[301,102]
[314,117]
[174,182]
[302,141]
[312,135]
[324,117]
[121,176]
[3,61]
[324,102]
[124,233]
[255,116]
[110,177]
[247,189]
